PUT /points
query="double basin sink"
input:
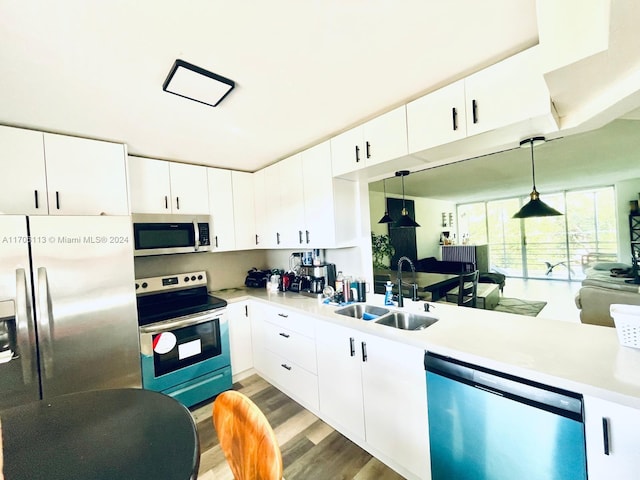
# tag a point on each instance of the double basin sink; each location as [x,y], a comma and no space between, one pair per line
[390,318]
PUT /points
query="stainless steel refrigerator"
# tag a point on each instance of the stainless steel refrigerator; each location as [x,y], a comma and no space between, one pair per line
[68,318]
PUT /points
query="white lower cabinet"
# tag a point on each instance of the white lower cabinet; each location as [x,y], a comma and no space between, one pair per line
[284,352]
[613,440]
[240,348]
[374,391]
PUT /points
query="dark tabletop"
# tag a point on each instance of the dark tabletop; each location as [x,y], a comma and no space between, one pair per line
[123,434]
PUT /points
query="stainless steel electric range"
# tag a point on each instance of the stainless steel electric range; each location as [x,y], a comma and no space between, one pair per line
[184,337]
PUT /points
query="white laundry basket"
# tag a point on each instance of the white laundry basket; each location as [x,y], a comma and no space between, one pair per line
[627,321]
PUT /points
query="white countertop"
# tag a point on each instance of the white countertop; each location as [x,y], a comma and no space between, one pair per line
[582,358]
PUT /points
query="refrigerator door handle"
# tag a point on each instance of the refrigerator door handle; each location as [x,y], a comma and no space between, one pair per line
[44,307]
[24,326]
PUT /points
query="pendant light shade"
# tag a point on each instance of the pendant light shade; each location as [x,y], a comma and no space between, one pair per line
[405,220]
[386,218]
[535,207]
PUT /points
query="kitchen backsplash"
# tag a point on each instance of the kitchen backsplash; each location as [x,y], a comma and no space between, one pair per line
[229,269]
[224,269]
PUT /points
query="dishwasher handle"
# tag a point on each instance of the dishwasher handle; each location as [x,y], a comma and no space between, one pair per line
[563,402]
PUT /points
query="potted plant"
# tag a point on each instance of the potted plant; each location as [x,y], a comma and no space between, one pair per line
[381,248]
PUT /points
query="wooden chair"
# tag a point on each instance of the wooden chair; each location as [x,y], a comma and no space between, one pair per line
[246,438]
[468,289]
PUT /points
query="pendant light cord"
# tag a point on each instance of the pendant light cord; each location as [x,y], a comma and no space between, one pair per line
[403,205]
[533,167]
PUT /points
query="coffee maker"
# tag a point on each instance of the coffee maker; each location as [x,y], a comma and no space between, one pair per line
[319,276]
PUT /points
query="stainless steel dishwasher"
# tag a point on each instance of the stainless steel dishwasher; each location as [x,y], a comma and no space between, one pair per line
[485,425]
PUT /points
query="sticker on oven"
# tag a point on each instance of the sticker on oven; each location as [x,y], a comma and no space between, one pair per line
[189,349]
[164,343]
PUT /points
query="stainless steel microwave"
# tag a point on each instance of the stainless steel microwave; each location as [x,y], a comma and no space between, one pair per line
[162,234]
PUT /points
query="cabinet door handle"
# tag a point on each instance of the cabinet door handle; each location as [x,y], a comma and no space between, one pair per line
[300,235]
[257,241]
[352,344]
[177,203]
[246,311]
[36,195]
[285,335]
[364,351]
[278,238]
[283,315]
[454,117]
[216,237]
[166,202]
[285,366]
[58,200]
[605,435]
[357,153]
[307,232]
[474,109]
[368,150]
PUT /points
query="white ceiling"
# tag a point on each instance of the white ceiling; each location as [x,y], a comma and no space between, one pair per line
[305,70]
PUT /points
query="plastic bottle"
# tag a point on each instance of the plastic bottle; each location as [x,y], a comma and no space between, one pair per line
[339,280]
[388,294]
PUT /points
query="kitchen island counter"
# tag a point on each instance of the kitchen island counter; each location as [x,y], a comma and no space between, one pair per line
[587,359]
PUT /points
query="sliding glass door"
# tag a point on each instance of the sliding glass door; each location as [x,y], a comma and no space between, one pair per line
[560,247]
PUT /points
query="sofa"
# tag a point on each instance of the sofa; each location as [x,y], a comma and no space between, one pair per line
[605,284]
[433,265]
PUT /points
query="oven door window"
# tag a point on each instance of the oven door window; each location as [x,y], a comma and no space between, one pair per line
[186,346]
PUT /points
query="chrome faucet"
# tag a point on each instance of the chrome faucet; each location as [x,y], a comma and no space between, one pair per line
[414,285]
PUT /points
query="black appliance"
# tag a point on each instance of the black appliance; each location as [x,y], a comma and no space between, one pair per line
[257,278]
[163,234]
[184,337]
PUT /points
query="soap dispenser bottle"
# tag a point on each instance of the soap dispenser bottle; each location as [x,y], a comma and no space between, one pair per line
[388,294]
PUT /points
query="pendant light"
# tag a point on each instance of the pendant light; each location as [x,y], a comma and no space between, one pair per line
[386,218]
[535,207]
[405,220]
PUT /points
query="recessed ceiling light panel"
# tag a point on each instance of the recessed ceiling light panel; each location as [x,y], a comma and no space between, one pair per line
[195,83]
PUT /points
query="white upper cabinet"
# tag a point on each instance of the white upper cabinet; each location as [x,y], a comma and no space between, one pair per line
[291,219]
[377,141]
[158,186]
[385,137]
[189,190]
[347,151]
[437,118]
[23,184]
[300,204]
[508,92]
[243,210]
[330,204]
[261,209]
[61,175]
[150,185]
[85,177]
[223,237]
[511,93]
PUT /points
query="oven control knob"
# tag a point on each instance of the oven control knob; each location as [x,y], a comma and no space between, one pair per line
[145,284]
[186,279]
[199,277]
[137,286]
[193,278]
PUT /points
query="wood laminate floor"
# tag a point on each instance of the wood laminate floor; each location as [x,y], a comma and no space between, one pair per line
[311,449]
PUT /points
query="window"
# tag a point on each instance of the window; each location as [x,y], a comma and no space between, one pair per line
[547,247]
